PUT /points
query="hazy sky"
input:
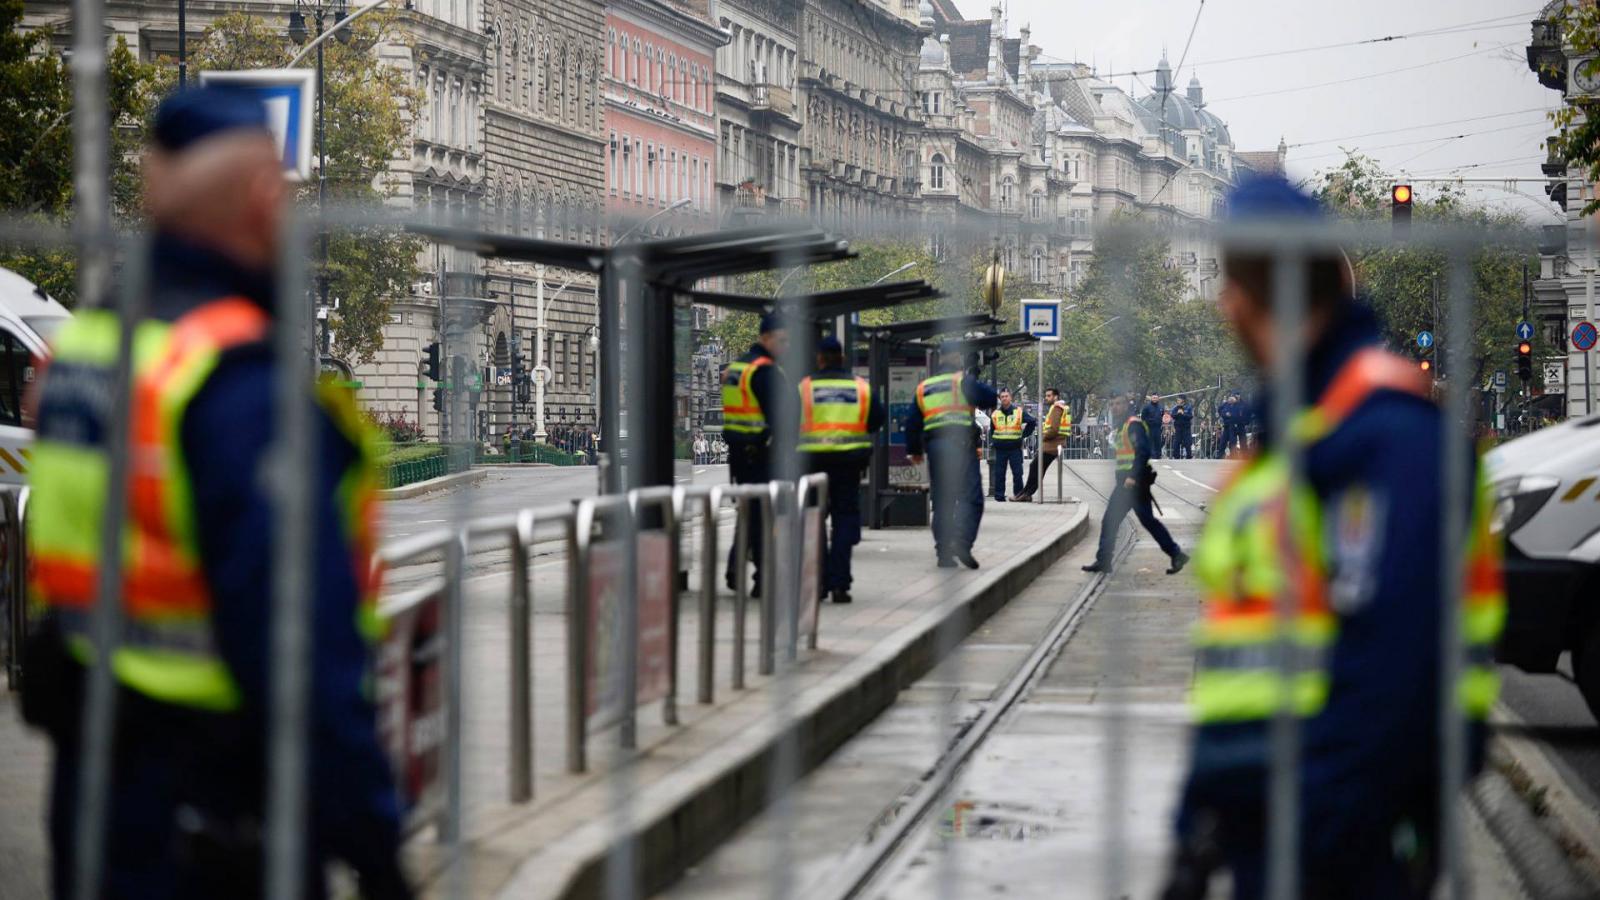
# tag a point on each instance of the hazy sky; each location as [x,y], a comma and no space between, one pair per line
[1480,70]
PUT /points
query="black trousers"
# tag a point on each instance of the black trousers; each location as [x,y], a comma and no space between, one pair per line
[1182,443]
[1124,499]
[749,464]
[1048,458]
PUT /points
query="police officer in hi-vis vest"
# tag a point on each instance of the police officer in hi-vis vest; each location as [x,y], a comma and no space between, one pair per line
[943,427]
[1131,493]
[751,386]
[1355,542]
[837,421]
[193,665]
[1009,427]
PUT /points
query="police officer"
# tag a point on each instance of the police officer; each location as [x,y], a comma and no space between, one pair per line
[1056,430]
[1152,414]
[837,421]
[1132,492]
[1009,428]
[193,665]
[751,386]
[943,428]
[1355,541]
[1232,414]
[1182,430]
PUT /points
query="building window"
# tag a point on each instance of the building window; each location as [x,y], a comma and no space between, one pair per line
[936,172]
[1036,266]
[1008,193]
[1036,205]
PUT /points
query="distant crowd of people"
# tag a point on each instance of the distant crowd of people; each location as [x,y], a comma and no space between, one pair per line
[1181,430]
[577,440]
[709,450]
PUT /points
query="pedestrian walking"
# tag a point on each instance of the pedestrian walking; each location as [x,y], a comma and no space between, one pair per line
[751,386]
[1010,427]
[837,421]
[1355,541]
[1055,432]
[184,805]
[1152,414]
[942,430]
[1182,434]
[1134,477]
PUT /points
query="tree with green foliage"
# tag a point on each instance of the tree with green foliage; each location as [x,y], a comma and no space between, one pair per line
[1409,287]
[36,149]
[365,104]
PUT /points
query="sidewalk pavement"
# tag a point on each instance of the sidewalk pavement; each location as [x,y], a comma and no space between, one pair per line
[692,784]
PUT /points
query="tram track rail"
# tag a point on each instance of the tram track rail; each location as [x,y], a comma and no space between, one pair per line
[864,866]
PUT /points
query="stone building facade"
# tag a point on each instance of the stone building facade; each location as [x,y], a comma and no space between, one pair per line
[861,124]
[758,167]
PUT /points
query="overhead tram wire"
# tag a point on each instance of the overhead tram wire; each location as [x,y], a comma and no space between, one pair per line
[1351,137]
[1416,143]
[1306,87]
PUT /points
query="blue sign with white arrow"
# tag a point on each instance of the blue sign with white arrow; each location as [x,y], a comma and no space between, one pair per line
[1524,331]
[1424,339]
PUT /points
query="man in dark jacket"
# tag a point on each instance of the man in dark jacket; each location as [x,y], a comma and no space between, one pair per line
[189,764]
[1151,414]
[1010,426]
[1131,493]
[943,428]
[754,421]
[1182,434]
[1369,615]
[836,440]
[1232,413]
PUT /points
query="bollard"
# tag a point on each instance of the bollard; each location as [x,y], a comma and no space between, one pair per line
[521,661]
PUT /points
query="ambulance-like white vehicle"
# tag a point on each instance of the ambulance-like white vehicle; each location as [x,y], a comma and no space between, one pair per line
[1547,506]
[28,319]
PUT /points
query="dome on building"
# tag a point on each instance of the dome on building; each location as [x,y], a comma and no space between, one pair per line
[934,55]
[1175,108]
[1215,127]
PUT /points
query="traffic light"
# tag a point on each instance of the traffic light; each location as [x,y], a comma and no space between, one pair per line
[1400,203]
[430,363]
[1426,365]
[438,400]
[1525,361]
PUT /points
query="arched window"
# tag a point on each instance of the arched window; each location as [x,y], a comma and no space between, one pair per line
[1008,193]
[1036,266]
[1036,204]
[936,172]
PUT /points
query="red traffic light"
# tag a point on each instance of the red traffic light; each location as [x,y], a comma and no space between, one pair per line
[1524,348]
[1427,365]
[1401,194]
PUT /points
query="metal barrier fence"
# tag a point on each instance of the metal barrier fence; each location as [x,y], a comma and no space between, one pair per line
[624,550]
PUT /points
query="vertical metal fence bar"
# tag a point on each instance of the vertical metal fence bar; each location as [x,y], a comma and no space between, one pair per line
[1455,469]
[708,598]
[821,493]
[674,516]
[741,587]
[579,538]
[455,631]
[100,709]
[521,693]
[1289,286]
[771,584]
[293,455]
[627,657]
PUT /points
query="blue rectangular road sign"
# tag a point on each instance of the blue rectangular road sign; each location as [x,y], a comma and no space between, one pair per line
[288,96]
[1042,319]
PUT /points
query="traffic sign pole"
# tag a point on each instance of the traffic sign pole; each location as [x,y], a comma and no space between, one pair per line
[1584,336]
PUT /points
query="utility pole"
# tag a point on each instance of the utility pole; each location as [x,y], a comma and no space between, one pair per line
[183,43]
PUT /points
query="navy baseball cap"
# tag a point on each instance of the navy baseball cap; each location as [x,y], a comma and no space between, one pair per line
[1270,197]
[772,322]
[193,114]
[830,345]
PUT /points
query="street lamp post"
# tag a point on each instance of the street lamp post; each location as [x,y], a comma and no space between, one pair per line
[540,371]
[298,34]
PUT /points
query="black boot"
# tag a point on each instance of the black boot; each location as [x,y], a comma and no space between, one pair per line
[1179,559]
[1096,567]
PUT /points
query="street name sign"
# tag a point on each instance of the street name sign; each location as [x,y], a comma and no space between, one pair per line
[1042,319]
[288,95]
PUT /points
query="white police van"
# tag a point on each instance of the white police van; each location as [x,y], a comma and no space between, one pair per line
[1547,506]
[28,319]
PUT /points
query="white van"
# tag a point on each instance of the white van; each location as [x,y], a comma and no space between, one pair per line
[28,319]
[1547,505]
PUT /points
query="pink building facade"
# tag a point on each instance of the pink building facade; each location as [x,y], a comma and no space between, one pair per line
[660,115]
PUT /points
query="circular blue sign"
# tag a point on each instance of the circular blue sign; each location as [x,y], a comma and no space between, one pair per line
[1524,331]
[1584,336]
[1424,339]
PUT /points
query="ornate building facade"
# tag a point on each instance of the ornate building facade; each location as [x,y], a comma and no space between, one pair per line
[758,167]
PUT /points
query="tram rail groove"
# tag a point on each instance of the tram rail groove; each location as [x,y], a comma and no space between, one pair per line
[862,867]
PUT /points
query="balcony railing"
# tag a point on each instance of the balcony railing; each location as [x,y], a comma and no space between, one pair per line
[772,98]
